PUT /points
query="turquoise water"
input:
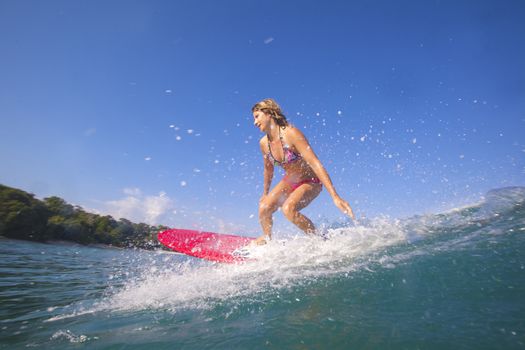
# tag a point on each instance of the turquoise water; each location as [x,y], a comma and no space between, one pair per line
[453,280]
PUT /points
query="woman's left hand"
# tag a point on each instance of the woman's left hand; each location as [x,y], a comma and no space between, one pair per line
[344,207]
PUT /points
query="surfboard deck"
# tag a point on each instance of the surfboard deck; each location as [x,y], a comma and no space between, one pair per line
[205,245]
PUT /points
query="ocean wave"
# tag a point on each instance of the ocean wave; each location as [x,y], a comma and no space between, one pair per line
[166,283]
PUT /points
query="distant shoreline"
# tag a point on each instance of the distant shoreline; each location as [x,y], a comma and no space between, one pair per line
[160,249]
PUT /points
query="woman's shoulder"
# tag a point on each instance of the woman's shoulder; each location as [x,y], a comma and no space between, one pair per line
[293,133]
[263,143]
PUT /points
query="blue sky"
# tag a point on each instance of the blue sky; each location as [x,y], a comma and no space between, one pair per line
[142,108]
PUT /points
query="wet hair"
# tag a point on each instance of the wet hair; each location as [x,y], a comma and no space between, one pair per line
[269,106]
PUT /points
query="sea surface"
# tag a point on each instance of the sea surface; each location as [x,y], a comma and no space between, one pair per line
[453,280]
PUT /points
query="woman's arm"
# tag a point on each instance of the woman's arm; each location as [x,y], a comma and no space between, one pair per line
[268,176]
[268,167]
[299,141]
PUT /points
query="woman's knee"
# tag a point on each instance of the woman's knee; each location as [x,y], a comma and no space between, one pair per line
[289,210]
[267,208]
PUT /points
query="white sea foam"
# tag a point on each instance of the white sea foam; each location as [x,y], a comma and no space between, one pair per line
[69,336]
[277,265]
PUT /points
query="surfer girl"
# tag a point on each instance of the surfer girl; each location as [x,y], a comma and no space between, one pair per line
[286,146]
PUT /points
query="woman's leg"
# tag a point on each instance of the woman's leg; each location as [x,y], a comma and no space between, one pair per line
[297,201]
[270,204]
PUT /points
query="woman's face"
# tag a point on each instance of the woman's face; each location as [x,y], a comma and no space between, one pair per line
[262,120]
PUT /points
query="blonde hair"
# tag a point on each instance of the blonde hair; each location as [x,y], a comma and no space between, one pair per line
[269,106]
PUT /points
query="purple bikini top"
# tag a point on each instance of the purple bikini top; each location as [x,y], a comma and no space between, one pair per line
[289,155]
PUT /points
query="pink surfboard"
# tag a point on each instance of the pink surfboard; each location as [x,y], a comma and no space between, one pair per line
[205,245]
